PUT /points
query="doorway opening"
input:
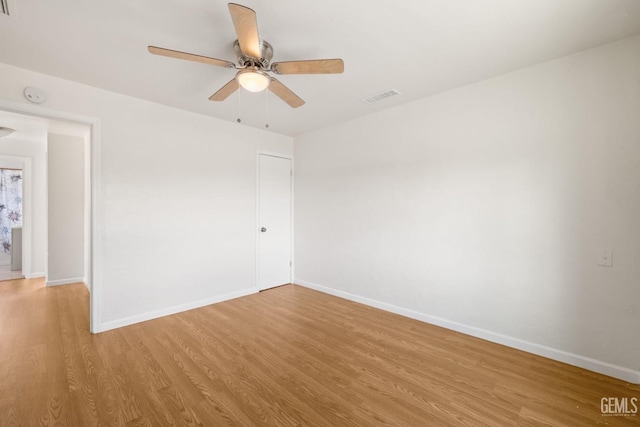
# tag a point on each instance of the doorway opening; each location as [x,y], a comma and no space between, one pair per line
[11,214]
[34,127]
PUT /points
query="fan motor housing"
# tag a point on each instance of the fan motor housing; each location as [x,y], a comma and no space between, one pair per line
[266,53]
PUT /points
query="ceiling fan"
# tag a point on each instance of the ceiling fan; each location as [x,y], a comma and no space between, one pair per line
[253,57]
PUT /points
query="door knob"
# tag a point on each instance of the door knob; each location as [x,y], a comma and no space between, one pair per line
[263,229]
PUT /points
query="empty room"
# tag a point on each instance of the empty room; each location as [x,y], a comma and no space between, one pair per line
[411,213]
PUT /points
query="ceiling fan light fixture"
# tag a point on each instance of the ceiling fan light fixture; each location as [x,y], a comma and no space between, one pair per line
[6,131]
[254,61]
[253,79]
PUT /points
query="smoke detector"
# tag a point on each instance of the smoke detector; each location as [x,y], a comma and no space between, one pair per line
[35,95]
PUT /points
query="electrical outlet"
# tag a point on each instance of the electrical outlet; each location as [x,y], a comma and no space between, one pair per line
[605,257]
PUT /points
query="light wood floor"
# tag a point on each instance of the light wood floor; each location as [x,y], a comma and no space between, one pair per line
[288,356]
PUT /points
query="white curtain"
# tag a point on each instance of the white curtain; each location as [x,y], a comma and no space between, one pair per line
[10,205]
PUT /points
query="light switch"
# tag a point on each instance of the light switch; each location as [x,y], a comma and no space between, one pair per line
[605,257]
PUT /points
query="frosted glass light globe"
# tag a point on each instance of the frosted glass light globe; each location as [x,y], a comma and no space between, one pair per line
[253,80]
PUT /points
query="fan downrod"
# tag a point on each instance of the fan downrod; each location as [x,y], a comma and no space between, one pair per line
[266,53]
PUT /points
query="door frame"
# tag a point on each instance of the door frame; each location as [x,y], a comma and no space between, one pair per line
[257,224]
[27,222]
[94,274]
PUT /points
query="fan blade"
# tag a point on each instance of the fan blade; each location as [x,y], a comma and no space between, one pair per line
[285,93]
[317,66]
[190,57]
[226,90]
[246,25]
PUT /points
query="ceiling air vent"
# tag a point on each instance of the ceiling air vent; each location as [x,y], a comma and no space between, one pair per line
[373,99]
[4,7]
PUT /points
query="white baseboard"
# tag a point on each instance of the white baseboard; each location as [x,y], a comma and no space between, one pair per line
[35,275]
[65,281]
[150,315]
[598,366]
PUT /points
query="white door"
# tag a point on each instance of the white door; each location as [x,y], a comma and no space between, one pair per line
[274,221]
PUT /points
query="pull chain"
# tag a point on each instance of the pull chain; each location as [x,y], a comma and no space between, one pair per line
[238,98]
[267,110]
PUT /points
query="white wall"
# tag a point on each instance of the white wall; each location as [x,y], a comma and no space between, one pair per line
[484,207]
[37,151]
[178,198]
[66,209]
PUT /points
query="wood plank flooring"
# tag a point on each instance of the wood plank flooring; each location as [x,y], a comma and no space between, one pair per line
[288,356]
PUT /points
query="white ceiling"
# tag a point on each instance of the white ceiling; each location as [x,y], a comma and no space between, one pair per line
[28,128]
[419,47]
